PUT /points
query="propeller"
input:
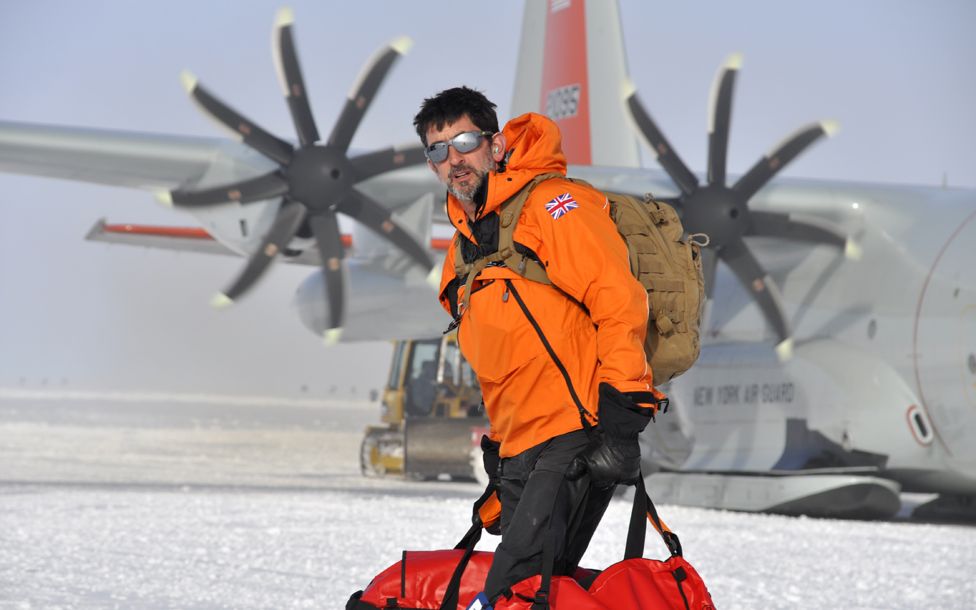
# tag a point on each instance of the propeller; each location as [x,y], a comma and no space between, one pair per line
[722,211]
[315,181]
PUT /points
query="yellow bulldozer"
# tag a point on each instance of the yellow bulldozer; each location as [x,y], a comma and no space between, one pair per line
[432,415]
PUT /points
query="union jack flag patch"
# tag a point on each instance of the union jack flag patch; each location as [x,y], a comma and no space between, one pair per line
[561,205]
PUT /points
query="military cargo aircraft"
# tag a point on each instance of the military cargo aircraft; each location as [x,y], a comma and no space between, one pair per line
[838,363]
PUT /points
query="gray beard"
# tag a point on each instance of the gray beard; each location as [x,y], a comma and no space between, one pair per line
[467,194]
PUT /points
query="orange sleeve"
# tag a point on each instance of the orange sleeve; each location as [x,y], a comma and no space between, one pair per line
[585,257]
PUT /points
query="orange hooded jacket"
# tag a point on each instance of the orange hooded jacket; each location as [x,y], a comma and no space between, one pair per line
[525,394]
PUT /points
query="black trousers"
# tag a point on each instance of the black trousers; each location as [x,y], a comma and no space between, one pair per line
[538,501]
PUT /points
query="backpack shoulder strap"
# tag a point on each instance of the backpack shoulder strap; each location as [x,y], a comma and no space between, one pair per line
[509,215]
[506,254]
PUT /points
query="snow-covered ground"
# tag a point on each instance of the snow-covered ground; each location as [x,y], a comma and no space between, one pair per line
[124,504]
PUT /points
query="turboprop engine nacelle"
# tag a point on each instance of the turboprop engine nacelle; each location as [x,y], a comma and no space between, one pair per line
[384,304]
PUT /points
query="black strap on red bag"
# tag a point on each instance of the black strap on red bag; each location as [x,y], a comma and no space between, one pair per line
[643,509]
[467,542]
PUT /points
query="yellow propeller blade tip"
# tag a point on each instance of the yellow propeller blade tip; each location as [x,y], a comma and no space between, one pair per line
[628,88]
[189,80]
[164,198]
[830,127]
[331,336]
[733,62]
[402,45]
[220,301]
[784,351]
[852,250]
[284,17]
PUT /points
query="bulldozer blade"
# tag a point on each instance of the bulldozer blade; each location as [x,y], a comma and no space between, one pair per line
[442,446]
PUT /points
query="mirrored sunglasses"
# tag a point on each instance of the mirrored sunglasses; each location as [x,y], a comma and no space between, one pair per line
[463,143]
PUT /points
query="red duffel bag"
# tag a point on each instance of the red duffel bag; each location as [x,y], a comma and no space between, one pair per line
[450,580]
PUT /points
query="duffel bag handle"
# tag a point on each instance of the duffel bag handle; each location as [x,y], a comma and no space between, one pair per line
[642,512]
[467,542]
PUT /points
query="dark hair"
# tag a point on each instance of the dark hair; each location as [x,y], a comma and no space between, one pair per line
[450,105]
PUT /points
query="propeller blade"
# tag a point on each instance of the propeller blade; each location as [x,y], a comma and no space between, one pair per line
[720,119]
[786,226]
[709,265]
[666,155]
[768,166]
[250,133]
[290,216]
[758,283]
[325,227]
[290,74]
[263,187]
[375,216]
[375,163]
[362,94]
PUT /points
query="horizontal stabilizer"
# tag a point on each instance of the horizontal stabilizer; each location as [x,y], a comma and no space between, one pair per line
[196,239]
[178,239]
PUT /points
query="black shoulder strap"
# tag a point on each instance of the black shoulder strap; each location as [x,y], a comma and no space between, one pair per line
[584,414]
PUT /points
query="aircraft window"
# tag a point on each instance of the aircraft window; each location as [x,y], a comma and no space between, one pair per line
[971,361]
[920,426]
[872,329]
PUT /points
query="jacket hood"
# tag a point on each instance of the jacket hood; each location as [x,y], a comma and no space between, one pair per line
[534,147]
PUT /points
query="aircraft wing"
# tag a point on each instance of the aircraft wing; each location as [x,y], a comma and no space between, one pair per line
[121,158]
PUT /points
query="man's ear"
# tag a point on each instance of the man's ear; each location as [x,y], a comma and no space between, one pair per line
[431,165]
[498,147]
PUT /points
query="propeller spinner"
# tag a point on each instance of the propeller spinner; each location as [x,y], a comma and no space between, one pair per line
[722,212]
[314,181]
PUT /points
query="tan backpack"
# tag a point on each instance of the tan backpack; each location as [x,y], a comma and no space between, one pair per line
[666,263]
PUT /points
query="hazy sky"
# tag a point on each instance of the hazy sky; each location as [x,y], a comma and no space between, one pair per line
[896,74]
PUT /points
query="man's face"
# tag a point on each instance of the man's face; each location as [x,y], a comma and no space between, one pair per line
[462,173]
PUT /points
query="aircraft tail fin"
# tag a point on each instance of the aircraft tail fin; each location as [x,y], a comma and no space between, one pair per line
[572,67]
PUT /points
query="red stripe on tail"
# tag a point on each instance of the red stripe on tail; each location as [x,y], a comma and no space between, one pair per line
[565,85]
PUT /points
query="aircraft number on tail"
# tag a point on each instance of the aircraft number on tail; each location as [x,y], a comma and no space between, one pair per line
[563,102]
[557,5]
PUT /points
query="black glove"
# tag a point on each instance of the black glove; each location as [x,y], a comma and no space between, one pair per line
[489,457]
[613,455]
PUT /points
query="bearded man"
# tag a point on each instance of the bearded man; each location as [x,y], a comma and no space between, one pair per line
[565,380]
